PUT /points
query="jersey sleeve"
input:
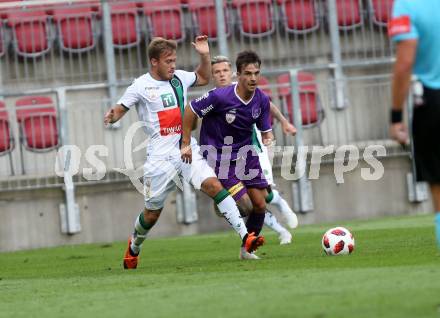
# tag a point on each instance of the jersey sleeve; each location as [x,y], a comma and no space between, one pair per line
[205,104]
[263,122]
[130,97]
[188,78]
[402,26]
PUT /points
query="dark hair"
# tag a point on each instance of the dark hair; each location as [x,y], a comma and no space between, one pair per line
[245,58]
[160,45]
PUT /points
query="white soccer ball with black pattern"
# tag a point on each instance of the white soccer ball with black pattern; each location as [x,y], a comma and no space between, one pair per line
[338,241]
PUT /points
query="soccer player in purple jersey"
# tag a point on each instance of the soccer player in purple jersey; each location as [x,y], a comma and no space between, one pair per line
[222,75]
[229,114]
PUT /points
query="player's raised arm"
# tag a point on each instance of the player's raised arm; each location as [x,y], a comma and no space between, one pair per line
[114,114]
[288,128]
[203,70]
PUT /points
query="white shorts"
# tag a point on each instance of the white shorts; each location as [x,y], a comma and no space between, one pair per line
[263,157]
[161,174]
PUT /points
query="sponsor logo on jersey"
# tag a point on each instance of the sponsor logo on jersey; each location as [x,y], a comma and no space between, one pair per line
[256,111]
[399,25]
[168,100]
[204,96]
[206,110]
[152,93]
[175,82]
[170,122]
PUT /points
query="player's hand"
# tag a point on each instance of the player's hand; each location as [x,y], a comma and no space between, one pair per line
[268,142]
[288,128]
[109,117]
[267,138]
[201,44]
[186,153]
[399,132]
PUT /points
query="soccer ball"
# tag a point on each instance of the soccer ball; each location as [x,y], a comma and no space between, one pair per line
[338,241]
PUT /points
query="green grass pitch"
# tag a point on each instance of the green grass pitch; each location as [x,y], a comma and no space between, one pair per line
[393,272]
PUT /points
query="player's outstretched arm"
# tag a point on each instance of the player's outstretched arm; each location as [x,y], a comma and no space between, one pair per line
[203,70]
[189,119]
[288,128]
[114,114]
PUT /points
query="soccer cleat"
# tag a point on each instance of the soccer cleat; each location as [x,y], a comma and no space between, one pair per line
[253,242]
[130,261]
[245,255]
[291,219]
[285,238]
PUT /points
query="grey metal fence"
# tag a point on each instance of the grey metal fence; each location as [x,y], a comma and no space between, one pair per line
[34,126]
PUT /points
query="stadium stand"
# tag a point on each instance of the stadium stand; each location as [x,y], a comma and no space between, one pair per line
[125,25]
[30,31]
[255,17]
[6,139]
[204,17]
[76,28]
[349,14]
[3,42]
[311,110]
[264,85]
[285,32]
[37,118]
[380,11]
[165,19]
[299,16]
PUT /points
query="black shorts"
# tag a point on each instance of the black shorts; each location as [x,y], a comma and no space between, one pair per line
[426,132]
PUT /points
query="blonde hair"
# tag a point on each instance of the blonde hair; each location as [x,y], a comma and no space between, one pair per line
[220,59]
[158,46]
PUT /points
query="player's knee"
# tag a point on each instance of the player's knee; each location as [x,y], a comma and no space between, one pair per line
[259,206]
[151,216]
[245,206]
[211,186]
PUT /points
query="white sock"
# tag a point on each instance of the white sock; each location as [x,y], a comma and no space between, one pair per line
[229,209]
[139,235]
[280,203]
[271,221]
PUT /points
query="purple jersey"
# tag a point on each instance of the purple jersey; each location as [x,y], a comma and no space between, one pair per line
[225,114]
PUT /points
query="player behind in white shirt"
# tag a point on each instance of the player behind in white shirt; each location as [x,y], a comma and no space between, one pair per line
[159,97]
[222,75]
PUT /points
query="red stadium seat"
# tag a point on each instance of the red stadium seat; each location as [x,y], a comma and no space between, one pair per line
[204,17]
[299,16]
[30,32]
[165,19]
[6,139]
[255,17]
[125,25]
[380,11]
[263,84]
[311,110]
[76,28]
[37,117]
[349,14]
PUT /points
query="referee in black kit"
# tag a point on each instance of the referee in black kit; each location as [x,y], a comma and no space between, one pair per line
[415,28]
